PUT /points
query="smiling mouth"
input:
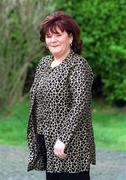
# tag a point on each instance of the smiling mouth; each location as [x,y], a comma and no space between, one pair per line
[55,46]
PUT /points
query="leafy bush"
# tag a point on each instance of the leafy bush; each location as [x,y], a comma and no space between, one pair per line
[19,46]
[103,30]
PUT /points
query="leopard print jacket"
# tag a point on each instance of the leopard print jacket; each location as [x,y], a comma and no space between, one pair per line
[61,109]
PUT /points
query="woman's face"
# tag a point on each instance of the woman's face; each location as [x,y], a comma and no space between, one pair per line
[58,43]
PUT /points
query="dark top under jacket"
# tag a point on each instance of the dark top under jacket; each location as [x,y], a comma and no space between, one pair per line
[61,109]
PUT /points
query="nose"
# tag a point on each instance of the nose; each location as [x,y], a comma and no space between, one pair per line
[53,38]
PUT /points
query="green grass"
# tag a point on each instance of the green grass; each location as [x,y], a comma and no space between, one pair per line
[109,126]
[13,127]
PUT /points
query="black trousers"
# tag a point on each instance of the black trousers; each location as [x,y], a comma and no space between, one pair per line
[68,176]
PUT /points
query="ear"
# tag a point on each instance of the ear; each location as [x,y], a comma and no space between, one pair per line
[71,38]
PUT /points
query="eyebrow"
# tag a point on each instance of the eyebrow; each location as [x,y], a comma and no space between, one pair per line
[47,34]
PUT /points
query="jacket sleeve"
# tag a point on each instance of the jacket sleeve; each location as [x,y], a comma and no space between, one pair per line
[40,66]
[35,147]
[80,82]
[35,77]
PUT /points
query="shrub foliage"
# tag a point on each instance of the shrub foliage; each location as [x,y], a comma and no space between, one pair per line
[103,26]
[19,46]
[103,33]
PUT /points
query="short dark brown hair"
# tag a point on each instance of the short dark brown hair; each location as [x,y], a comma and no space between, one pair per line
[64,23]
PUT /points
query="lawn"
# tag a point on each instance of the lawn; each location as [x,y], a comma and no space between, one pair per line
[109,126]
[13,126]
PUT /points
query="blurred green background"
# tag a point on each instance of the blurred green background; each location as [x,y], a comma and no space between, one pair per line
[103,31]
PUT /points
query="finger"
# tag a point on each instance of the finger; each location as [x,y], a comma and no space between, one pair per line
[59,151]
[56,152]
[60,154]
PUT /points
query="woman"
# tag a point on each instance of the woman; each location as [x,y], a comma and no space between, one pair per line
[60,134]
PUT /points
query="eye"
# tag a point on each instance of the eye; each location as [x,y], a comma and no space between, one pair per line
[58,34]
[48,36]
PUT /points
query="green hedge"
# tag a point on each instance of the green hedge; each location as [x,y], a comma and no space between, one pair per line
[103,26]
[102,29]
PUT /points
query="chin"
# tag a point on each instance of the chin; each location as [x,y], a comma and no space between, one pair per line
[55,52]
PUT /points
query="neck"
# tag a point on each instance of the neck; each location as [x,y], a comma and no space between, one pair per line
[61,57]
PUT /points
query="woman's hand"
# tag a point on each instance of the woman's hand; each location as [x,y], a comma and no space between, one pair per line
[59,148]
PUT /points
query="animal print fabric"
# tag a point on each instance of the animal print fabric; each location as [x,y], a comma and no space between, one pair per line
[61,109]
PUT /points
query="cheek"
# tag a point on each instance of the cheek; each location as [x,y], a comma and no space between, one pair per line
[65,42]
[47,41]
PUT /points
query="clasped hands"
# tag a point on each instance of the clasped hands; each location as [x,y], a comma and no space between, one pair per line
[59,148]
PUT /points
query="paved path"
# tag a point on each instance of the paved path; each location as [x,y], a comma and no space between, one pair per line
[13,163]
